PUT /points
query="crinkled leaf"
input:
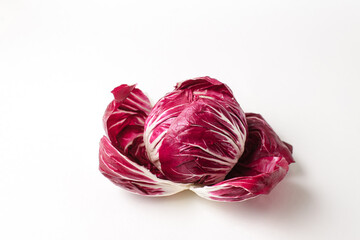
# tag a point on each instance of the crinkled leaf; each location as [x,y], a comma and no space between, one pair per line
[263,165]
[124,124]
[131,176]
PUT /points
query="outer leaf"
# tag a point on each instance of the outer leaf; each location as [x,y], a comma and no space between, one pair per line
[124,124]
[196,133]
[263,165]
[131,176]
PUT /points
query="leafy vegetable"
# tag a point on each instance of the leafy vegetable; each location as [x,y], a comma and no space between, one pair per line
[196,137]
[196,133]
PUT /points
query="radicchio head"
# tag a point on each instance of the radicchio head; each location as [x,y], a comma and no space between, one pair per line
[196,137]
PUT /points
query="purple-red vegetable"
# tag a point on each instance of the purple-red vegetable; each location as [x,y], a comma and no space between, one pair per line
[196,137]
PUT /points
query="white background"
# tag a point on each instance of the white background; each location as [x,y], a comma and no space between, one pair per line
[295,62]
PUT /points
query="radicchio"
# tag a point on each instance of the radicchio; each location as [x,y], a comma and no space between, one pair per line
[196,133]
[196,137]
